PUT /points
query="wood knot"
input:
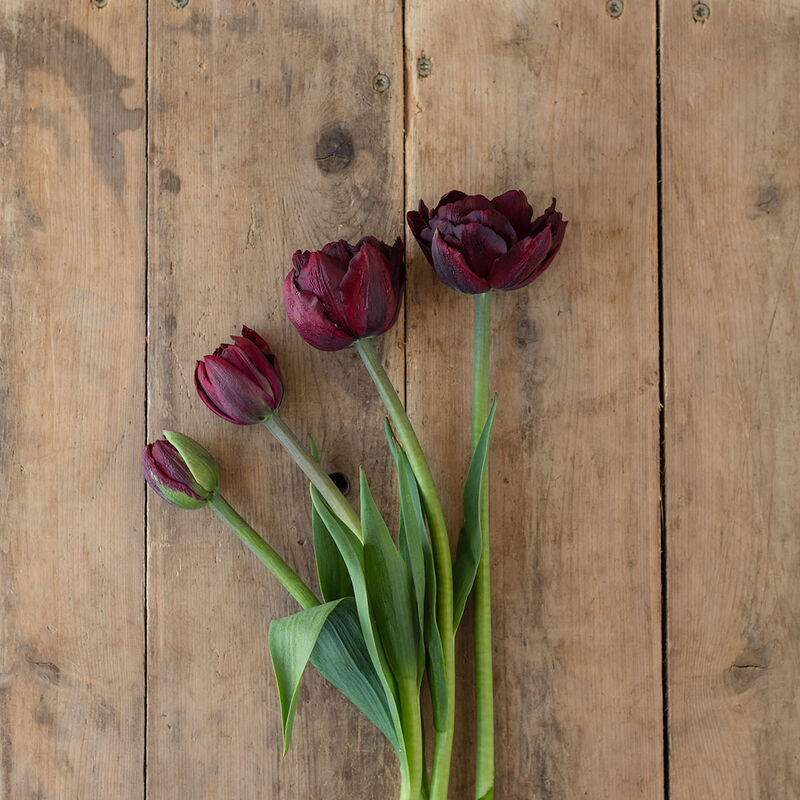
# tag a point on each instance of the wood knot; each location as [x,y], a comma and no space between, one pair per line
[334,149]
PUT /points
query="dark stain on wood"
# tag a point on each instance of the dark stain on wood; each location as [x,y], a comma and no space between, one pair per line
[169,181]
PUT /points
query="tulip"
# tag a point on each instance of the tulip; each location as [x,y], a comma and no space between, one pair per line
[476,244]
[180,470]
[343,293]
[240,382]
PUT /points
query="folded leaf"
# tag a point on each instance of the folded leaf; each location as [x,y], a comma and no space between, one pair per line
[353,554]
[412,527]
[390,591]
[291,642]
[334,580]
[342,658]
[470,540]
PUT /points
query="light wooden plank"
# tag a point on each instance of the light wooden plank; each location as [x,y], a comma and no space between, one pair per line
[556,99]
[267,135]
[72,172]
[732,315]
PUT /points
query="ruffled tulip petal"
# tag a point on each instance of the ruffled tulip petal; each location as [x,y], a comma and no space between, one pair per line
[260,367]
[481,247]
[453,196]
[453,270]
[240,399]
[514,206]
[322,277]
[519,265]
[495,221]
[455,211]
[422,233]
[307,314]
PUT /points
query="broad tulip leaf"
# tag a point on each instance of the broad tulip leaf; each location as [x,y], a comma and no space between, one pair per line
[470,540]
[291,642]
[353,554]
[342,658]
[411,510]
[390,592]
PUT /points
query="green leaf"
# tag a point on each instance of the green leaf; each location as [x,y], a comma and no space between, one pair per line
[291,642]
[334,580]
[352,552]
[342,658]
[470,540]
[411,510]
[390,592]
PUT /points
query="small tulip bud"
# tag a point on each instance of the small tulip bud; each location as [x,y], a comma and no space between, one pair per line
[345,292]
[475,244]
[169,475]
[240,382]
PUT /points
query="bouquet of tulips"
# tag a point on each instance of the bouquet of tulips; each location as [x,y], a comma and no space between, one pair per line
[385,611]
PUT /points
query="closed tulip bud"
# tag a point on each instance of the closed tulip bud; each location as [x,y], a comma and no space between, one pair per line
[168,472]
[240,382]
[345,292]
[476,244]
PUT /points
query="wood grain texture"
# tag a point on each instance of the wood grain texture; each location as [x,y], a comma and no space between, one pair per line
[556,99]
[72,377]
[266,136]
[732,315]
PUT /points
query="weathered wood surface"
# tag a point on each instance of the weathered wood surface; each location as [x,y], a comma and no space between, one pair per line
[157,182]
[732,315]
[560,101]
[72,306]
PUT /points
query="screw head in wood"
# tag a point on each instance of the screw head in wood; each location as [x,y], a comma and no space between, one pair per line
[614,8]
[700,12]
[381,82]
[424,67]
[99,3]
[180,3]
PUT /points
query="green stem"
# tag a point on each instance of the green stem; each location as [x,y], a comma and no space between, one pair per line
[443,742]
[310,466]
[271,560]
[411,720]
[484,697]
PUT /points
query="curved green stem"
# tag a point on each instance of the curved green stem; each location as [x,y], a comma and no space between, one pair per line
[289,579]
[484,696]
[327,488]
[443,742]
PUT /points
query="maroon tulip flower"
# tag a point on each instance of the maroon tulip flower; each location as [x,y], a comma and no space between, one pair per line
[184,483]
[240,382]
[476,244]
[345,292]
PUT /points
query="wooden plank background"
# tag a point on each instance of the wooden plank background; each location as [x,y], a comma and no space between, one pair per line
[161,161]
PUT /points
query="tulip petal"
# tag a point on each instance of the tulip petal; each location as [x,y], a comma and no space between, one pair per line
[368,292]
[453,196]
[481,247]
[494,220]
[258,366]
[307,314]
[322,277]
[240,399]
[522,263]
[514,206]
[418,223]
[453,270]
[455,211]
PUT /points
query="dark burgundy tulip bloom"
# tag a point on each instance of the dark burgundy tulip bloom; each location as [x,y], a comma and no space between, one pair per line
[240,382]
[169,476]
[345,292]
[476,244]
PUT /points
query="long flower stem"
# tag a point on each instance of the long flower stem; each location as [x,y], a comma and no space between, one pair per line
[289,579]
[484,698]
[327,488]
[443,742]
[411,718]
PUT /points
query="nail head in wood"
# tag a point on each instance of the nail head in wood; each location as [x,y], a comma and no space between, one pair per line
[381,82]
[424,67]
[701,12]
[614,8]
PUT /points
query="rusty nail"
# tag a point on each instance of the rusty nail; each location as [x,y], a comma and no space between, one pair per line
[99,3]
[180,3]
[614,8]
[700,12]
[381,82]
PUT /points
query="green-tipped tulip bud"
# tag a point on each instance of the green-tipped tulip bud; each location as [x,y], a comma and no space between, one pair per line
[180,470]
